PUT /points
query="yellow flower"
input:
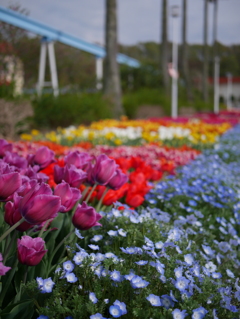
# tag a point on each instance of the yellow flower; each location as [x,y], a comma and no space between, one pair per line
[26,137]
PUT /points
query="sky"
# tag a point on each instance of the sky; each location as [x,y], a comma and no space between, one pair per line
[138,20]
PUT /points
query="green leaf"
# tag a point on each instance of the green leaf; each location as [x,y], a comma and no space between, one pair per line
[23,310]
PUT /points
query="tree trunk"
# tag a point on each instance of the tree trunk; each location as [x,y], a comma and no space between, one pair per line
[185,68]
[164,46]
[205,53]
[111,81]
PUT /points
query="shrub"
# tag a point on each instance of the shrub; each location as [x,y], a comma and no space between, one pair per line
[69,109]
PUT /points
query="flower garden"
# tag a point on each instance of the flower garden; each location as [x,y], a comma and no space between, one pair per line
[129,219]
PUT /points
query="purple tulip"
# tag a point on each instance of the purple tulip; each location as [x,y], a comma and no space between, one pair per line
[79,159]
[70,174]
[85,217]
[117,180]
[5,147]
[104,169]
[9,182]
[15,160]
[3,269]
[43,157]
[30,250]
[12,214]
[39,205]
[32,173]
[69,196]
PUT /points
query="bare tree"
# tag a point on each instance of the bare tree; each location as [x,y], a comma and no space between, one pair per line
[111,81]
[164,45]
[185,67]
[205,52]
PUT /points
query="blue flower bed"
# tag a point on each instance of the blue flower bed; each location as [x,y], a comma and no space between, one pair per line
[177,257]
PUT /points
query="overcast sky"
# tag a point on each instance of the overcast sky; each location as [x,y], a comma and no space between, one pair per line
[138,20]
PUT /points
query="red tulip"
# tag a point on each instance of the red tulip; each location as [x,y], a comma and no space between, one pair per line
[85,217]
[30,250]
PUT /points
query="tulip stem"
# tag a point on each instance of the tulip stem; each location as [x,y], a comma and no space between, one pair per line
[11,229]
[83,194]
[58,246]
[7,250]
[44,227]
[90,194]
[101,199]
[5,288]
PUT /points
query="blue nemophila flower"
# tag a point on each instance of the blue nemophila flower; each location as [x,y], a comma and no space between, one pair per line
[122,232]
[182,283]
[189,259]
[208,250]
[214,312]
[224,246]
[211,266]
[192,202]
[46,286]
[174,234]
[178,271]
[68,266]
[77,233]
[159,245]
[167,301]
[43,317]
[110,255]
[129,250]
[94,247]
[130,275]
[138,282]
[93,297]
[112,232]
[199,313]
[79,257]
[97,316]
[71,277]
[121,305]
[68,317]
[160,267]
[96,238]
[154,300]
[141,262]
[115,311]
[178,314]
[216,275]
[230,273]
[115,275]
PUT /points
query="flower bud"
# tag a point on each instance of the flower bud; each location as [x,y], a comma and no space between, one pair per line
[117,180]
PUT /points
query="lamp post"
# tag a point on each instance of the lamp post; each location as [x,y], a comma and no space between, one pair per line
[229,91]
[175,14]
[216,84]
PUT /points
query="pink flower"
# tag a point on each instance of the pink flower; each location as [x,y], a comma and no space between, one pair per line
[69,196]
[3,269]
[12,214]
[104,169]
[43,157]
[79,159]
[118,180]
[85,217]
[30,250]
[39,205]
[5,147]
[9,182]
[70,174]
